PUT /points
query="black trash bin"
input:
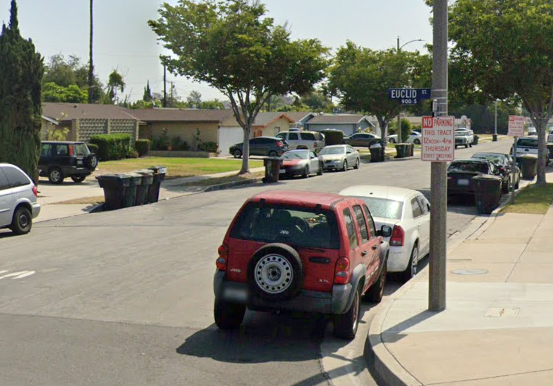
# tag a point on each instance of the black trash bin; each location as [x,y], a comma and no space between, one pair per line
[135,180]
[272,169]
[494,137]
[411,150]
[402,150]
[142,189]
[159,177]
[475,141]
[114,186]
[487,193]
[529,166]
[376,153]
[550,149]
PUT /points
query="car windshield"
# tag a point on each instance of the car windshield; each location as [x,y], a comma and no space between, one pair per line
[295,155]
[494,158]
[81,149]
[296,226]
[384,208]
[333,150]
[461,133]
[478,167]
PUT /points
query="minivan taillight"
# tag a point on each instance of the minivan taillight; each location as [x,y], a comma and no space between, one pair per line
[341,272]
[221,261]
[280,144]
[398,237]
[71,152]
[35,191]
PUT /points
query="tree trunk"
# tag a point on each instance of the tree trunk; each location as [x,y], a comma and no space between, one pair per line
[246,149]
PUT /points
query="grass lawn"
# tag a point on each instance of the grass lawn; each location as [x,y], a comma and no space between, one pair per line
[532,200]
[176,167]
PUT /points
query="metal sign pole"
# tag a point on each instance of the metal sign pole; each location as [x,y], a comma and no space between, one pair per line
[514,170]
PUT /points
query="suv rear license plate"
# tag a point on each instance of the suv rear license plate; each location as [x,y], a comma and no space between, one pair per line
[79,162]
[463,182]
[282,171]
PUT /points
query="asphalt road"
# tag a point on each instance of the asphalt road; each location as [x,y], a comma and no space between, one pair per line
[125,298]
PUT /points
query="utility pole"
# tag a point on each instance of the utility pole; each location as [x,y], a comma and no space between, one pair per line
[91,63]
[399,133]
[438,176]
[172,86]
[495,124]
[164,104]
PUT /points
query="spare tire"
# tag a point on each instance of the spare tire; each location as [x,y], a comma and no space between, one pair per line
[91,161]
[275,272]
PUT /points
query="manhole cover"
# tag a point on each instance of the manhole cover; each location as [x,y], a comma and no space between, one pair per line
[469,272]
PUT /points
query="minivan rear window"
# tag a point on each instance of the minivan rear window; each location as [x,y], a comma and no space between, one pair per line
[295,226]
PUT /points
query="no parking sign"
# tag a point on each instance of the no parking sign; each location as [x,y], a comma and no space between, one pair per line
[438,139]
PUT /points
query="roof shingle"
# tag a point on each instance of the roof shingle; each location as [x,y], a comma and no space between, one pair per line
[69,111]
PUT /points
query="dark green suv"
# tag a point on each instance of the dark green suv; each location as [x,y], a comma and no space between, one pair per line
[59,160]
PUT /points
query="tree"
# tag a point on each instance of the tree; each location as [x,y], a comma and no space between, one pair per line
[502,49]
[21,71]
[147,93]
[51,92]
[194,99]
[361,77]
[214,104]
[235,47]
[317,101]
[115,83]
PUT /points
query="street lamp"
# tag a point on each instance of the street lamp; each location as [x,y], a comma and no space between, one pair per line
[399,139]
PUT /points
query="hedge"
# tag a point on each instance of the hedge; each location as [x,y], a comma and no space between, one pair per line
[93,148]
[142,147]
[111,146]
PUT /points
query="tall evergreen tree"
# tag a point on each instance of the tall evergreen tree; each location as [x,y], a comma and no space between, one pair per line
[147,93]
[21,71]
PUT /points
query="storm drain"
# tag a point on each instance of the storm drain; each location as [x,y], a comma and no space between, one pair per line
[469,272]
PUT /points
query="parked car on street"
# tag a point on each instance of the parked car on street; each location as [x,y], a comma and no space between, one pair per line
[504,164]
[407,212]
[301,251]
[59,160]
[464,137]
[301,163]
[264,146]
[340,157]
[18,199]
[361,139]
[532,131]
[311,140]
[460,173]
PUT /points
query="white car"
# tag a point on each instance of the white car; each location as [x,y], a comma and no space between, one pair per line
[340,157]
[408,213]
[18,199]
[532,131]
[415,137]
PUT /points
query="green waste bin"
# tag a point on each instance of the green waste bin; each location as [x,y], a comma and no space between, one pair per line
[402,150]
[487,193]
[142,189]
[159,177]
[272,169]
[475,141]
[135,180]
[529,166]
[114,186]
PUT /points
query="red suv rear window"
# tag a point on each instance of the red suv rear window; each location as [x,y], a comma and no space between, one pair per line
[295,226]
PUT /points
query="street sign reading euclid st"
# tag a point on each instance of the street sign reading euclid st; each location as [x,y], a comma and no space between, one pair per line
[438,139]
[409,96]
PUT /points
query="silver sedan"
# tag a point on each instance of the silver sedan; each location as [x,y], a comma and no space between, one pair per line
[340,157]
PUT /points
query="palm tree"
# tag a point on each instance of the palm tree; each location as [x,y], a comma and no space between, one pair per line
[91,65]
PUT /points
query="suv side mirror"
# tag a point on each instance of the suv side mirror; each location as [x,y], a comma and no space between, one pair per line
[385,231]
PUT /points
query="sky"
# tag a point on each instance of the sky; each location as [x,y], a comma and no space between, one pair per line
[124,41]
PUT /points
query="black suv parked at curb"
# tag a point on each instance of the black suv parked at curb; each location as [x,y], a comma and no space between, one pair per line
[59,160]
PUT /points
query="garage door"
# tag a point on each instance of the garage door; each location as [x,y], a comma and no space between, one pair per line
[229,136]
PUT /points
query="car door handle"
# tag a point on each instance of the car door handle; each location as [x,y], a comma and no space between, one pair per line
[364,253]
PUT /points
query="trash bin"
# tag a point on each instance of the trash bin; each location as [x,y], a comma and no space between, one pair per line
[411,149]
[272,169]
[114,186]
[487,193]
[550,148]
[135,180]
[529,166]
[494,137]
[142,189]
[475,141]
[402,150]
[159,177]
[376,153]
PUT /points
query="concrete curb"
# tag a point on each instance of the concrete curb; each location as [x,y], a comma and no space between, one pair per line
[229,185]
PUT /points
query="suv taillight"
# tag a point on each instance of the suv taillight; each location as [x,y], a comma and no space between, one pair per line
[398,237]
[71,152]
[341,272]
[35,191]
[280,144]
[221,261]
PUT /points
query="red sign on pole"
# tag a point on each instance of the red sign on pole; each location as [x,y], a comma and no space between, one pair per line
[438,139]
[516,126]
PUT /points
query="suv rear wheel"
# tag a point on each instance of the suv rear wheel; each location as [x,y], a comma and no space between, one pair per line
[228,316]
[345,325]
[55,176]
[275,272]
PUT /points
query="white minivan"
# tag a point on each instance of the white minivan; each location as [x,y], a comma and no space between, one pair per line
[18,199]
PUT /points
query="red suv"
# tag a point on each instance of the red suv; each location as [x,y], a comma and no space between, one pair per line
[302,251]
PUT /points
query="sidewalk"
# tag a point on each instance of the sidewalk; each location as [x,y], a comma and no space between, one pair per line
[498,325]
[51,197]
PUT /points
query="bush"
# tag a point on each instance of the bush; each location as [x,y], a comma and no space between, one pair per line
[93,148]
[132,153]
[111,146]
[142,147]
[210,147]
[333,137]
